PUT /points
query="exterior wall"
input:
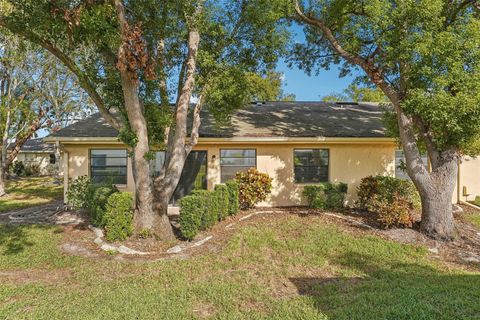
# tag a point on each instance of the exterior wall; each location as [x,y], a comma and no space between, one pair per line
[42,159]
[78,162]
[469,178]
[348,163]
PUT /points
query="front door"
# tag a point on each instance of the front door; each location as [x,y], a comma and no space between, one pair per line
[194,175]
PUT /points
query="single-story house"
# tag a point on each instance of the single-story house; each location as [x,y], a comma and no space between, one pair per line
[39,153]
[295,143]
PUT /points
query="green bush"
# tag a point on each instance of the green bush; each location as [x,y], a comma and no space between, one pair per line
[96,203]
[222,198]
[233,197]
[393,201]
[77,192]
[254,187]
[118,217]
[326,195]
[18,168]
[191,212]
[203,209]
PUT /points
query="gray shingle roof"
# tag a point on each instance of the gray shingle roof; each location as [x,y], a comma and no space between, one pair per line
[35,145]
[270,119]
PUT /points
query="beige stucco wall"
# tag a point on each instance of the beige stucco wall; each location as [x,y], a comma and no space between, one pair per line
[348,163]
[470,178]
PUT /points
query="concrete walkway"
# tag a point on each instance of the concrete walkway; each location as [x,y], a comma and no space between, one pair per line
[52,213]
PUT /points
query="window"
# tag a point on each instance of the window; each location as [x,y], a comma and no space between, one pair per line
[310,165]
[401,165]
[108,166]
[157,163]
[236,160]
[52,158]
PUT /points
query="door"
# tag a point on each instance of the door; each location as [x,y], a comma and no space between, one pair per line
[194,175]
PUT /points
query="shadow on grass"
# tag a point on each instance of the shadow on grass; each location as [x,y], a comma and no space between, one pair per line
[393,290]
[16,238]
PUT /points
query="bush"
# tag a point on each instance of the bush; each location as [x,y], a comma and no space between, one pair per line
[203,208]
[222,198]
[97,197]
[18,168]
[32,169]
[254,187]
[118,217]
[233,197]
[326,195]
[191,213]
[393,201]
[77,192]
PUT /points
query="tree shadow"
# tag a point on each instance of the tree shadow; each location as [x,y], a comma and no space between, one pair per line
[393,290]
[15,238]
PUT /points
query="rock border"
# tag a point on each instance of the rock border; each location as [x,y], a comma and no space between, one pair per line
[112,248]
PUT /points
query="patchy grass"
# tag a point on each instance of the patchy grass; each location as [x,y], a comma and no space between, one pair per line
[30,192]
[276,267]
[473,218]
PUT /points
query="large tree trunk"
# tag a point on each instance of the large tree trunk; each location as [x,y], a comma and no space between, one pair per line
[146,218]
[436,194]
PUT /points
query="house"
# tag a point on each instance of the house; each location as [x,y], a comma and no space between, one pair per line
[36,152]
[296,143]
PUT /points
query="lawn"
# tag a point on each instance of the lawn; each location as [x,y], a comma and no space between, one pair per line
[473,218]
[30,192]
[274,267]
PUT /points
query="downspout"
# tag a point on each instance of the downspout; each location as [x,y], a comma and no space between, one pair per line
[459,194]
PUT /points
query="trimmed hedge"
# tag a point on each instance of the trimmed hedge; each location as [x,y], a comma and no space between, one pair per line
[393,201]
[203,209]
[118,218]
[326,195]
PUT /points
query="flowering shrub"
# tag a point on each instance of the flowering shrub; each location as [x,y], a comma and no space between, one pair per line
[254,187]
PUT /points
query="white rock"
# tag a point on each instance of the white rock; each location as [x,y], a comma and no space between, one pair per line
[456,208]
[98,232]
[127,250]
[199,243]
[176,249]
[98,241]
[107,247]
[433,250]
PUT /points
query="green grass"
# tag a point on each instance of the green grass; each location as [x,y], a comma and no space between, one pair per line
[278,268]
[473,218]
[30,192]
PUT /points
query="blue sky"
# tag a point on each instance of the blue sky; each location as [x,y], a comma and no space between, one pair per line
[310,88]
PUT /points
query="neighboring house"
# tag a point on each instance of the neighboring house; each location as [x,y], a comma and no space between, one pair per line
[37,152]
[296,143]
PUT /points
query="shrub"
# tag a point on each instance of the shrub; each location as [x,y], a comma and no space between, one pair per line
[32,169]
[118,217]
[18,168]
[254,187]
[222,198]
[191,213]
[202,209]
[77,192]
[233,197]
[392,201]
[97,197]
[326,195]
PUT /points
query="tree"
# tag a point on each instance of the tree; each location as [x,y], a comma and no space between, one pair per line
[136,58]
[35,94]
[355,93]
[425,57]
[267,87]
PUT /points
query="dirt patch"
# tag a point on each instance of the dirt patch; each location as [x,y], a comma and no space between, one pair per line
[31,276]
[203,310]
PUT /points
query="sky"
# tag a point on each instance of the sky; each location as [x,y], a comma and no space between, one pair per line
[310,88]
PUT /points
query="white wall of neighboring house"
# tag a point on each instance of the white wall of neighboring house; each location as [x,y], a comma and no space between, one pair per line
[42,159]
